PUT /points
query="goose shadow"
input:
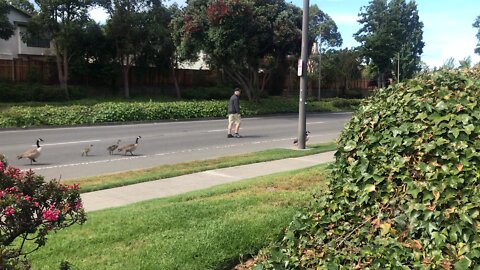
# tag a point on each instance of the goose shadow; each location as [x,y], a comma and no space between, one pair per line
[89,155]
[36,164]
[251,137]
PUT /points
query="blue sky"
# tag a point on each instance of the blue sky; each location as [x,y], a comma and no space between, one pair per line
[447,31]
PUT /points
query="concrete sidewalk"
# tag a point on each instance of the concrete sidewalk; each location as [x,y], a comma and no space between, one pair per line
[121,196]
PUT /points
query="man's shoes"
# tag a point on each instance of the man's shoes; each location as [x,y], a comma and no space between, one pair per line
[229,136]
[237,135]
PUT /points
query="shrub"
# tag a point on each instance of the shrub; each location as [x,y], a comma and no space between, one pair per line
[104,112]
[207,93]
[22,92]
[405,189]
[31,208]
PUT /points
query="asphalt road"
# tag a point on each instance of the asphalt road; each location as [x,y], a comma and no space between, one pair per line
[161,143]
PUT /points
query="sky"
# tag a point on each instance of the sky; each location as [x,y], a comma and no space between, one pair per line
[447,31]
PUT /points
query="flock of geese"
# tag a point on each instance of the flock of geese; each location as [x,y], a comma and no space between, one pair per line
[34,153]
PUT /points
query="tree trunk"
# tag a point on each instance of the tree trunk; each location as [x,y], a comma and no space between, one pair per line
[126,88]
[60,70]
[65,72]
[381,80]
[175,83]
[243,81]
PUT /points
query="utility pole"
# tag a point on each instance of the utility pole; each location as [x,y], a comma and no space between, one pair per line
[302,72]
[398,68]
[319,47]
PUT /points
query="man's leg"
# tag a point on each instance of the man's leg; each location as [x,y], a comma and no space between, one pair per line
[238,121]
[237,127]
[230,124]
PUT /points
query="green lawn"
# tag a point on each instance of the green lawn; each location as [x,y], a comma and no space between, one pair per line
[210,229]
[166,171]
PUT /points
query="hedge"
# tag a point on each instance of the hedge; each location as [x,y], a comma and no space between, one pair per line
[107,112]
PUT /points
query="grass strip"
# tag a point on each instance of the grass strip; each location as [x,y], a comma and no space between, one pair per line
[171,170]
[214,228]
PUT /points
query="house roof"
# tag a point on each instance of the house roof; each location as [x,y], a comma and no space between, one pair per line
[20,11]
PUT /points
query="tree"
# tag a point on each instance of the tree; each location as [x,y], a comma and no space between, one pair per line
[6,28]
[449,63]
[31,208]
[465,62]
[341,67]
[160,50]
[57,20]
[127,26]
[92,60]
[323,28]
[244,39]
[325,32]
[391,29]
[476,24]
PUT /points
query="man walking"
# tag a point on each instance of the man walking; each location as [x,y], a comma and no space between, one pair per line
[234,114]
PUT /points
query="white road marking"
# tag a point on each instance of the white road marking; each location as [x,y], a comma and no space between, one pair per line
[313,123]
[63,143]
[166,153]
[87,163]
[217,130]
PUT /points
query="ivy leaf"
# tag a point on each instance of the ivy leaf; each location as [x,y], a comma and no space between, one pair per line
[465,217]
[369,188]
[349,146]
[463,264]
[459,167]
[385,228]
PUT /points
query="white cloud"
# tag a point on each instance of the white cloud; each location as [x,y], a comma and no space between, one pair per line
[98,14]
[448,36]
[344,18]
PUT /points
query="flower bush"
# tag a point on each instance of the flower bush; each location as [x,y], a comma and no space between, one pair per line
[30,208]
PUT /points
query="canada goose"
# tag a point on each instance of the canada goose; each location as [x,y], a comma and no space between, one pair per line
[33,153]
[129,147]
[87,150]
[112,147]
[295,142]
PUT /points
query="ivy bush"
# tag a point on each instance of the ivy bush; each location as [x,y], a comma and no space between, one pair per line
[105,112]
[30,208]
[405,187]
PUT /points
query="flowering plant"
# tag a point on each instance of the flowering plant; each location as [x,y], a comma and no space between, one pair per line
[30,208]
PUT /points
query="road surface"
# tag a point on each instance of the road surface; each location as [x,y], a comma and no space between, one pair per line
[161,143]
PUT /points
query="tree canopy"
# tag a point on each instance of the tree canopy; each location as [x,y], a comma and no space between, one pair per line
[476,24]
[391,31]
[6,28]
[141,34]
[245,39]
[324,28]
[57,20]
[23,5]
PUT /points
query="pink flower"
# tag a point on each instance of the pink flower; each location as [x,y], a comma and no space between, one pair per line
[36,204]
[78,205]
[27,198]
[51,214]
[9,211]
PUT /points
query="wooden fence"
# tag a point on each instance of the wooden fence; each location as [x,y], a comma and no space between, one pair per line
[45,72]
[19,70]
